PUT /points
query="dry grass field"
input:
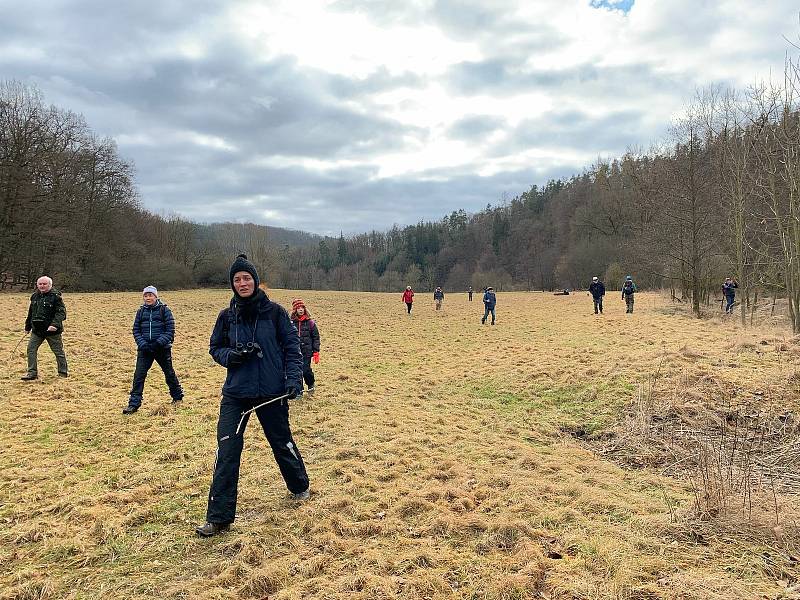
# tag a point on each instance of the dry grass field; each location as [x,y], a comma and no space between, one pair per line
[557,455]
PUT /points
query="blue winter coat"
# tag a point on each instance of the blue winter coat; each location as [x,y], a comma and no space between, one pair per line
[154,324]
[282,363]
[597,289]
[489,299]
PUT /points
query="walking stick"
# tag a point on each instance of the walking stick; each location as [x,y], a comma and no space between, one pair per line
[14,351]
[247,412]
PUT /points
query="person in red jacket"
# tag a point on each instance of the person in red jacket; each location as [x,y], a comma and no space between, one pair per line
[408,298]
[309,340]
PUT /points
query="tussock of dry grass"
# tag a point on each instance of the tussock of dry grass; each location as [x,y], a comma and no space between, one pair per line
[436,449]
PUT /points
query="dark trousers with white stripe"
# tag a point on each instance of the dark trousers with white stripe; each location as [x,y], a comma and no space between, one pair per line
[274,419]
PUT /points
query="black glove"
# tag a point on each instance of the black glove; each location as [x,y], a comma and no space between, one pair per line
[292,392]
[236,357]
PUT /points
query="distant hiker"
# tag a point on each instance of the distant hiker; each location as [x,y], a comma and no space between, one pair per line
[729,291]
[256,341]
[438,298]
[408,298]
[597,289]
[309,340]
[45,321]
[489,302]
[469,293]
[628,290]
[154,332]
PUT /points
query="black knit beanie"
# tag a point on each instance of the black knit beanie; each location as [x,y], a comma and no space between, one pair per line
[242,264]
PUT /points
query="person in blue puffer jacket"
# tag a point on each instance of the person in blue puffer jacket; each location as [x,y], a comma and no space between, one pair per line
[489,302]
[154,332]
[255,340]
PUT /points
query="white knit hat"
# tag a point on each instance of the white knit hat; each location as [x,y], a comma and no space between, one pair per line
[150,289]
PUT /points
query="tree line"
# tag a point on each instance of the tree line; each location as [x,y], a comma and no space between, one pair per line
[69,207]
[719,195]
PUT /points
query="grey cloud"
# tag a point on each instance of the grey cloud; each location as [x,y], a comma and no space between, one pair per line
[275,107]
[475,126]
[114,63]
[379,81]
[504,75]
[611,133]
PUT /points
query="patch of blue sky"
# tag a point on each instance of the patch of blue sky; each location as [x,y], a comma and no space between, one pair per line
[621,5]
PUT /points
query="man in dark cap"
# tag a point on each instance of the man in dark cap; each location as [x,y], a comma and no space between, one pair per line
[255,340]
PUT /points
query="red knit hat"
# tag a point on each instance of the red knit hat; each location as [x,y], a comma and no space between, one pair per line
[297,303]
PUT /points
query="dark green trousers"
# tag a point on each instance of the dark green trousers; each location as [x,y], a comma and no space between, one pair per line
[56,345]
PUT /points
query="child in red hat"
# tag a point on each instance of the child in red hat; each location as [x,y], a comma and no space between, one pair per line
[309,340]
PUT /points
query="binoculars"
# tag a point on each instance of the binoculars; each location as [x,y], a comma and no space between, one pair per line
[250,348]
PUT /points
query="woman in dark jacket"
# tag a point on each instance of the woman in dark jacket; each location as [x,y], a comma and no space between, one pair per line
[309,340]
[154,332]
[255,340]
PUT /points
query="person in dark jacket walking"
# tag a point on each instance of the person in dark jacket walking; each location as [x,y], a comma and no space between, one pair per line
[255,340]
[45,321]
[729,291]
[438,298]
[628,291]
[309,340]
[489,302]
[469,293]
[408,298]
[154,333]
[597,289]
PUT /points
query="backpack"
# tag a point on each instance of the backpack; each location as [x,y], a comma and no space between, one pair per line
[627,288]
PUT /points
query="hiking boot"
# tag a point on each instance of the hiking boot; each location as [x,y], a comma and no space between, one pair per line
[311,389]
[210,529]
[63,374]
[176,401]
[129,410]
[29,377]
[302,496]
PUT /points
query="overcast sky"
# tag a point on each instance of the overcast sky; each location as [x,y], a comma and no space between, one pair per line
[354,115]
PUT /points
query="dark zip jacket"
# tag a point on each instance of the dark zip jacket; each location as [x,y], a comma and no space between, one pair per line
[45,310]
[154,324]
[309,336]
[597,289]
[282,363]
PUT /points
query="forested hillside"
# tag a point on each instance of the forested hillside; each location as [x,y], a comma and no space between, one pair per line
[69,207]
[719,196]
